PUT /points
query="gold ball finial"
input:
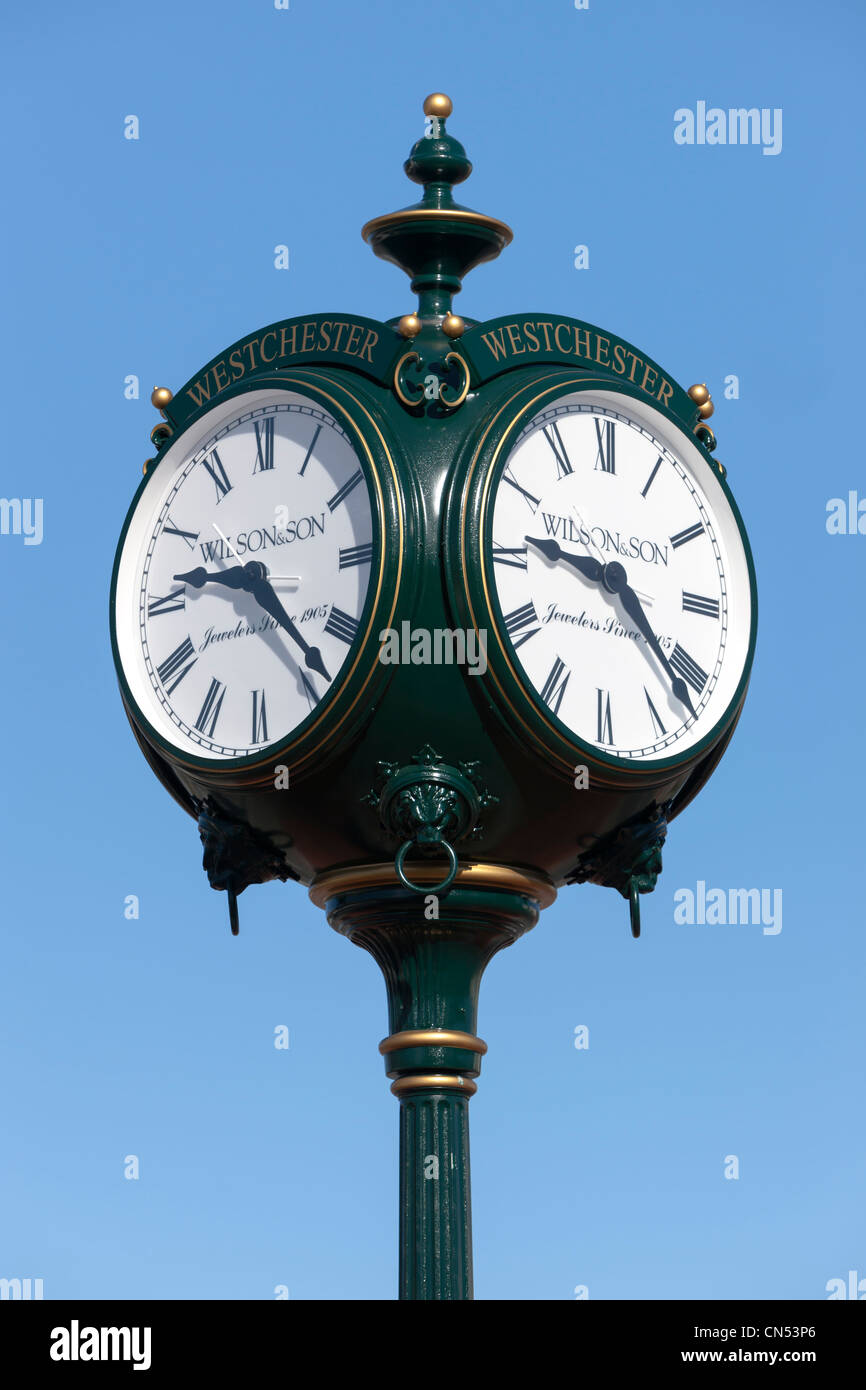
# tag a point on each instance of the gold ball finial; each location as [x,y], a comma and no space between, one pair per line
[707,409]
[699,393]
[437,104]
[409,326]
[160,396]
[453,326]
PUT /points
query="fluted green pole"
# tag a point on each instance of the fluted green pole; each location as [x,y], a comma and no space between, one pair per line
[433,966]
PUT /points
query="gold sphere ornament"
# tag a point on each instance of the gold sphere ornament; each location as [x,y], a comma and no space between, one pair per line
[707,409]
[160,396]
[699,393]
[453,326]
[437,104]
[409,326]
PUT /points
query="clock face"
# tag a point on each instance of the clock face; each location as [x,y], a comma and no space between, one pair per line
[243,576]
[621,576]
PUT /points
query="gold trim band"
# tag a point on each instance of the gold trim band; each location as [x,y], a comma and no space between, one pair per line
[358,877]
[405,1085]
[389,219]
[432,1037]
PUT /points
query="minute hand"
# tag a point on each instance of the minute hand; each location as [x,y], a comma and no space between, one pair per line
[267,599]
[632,605]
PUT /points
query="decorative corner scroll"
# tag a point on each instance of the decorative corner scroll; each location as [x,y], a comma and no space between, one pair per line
[440,382]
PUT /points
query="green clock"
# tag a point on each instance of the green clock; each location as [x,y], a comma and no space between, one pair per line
[605,559]
[258,562]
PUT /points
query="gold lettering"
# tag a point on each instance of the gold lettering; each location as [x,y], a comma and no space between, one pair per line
[262,347]
[649,372]
[560,327]
[284,333]
[545,326]
[215,369]
[250,347]
[598,350]
[618,358]
[309,333]
[494,344]
[339,327]
[237,367]
[530,333]
[665,392]
[199,391]
[513,335]
[352,339]
[324,335]
[367,346]
[635,360]
[581,351]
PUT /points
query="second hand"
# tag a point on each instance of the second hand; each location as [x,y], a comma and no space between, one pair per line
[280,578]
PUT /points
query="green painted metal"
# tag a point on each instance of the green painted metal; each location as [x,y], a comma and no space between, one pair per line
[432,970]
[420,451]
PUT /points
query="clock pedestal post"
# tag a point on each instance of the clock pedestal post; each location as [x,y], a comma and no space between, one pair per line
[432,968]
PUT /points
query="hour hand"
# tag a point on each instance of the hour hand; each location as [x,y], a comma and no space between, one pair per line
[584,564]
[234,578]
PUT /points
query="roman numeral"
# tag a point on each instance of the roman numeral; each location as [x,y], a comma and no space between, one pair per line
[510,555]
[356,555]
[658,726]
[189,536]
[554,687]
[649,482]
[218,474]
[309,453]
[264,445]
[172,665]
[554,439]
[172,603]
[605,457]
[533,501]
[682,537]
[605,727]
[688,668]
[341,625]
[696,603]
[522,618]
[209,712]
[341,496]
[260,718]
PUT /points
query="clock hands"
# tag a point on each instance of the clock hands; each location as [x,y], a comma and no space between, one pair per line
[584,564]
[253,579]
[615,580]
[283,578]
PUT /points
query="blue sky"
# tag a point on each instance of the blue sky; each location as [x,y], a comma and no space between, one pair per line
[154,1037]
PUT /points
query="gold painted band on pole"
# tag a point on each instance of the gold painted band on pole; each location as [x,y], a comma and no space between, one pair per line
[432,1037]
[405,1085]
[359,877]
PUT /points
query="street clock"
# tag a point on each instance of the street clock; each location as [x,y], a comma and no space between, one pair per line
[434,617]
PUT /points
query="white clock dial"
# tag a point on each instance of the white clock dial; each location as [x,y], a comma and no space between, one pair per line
[621,576]
[244,575]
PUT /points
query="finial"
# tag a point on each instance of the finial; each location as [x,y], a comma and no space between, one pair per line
[437,104]
[437,241]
